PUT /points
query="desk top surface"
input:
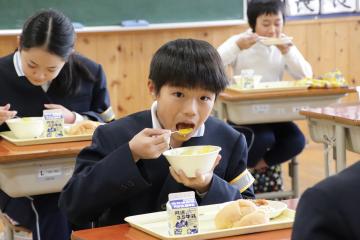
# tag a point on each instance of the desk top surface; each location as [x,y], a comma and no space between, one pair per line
[345,113]
[11,153]
[233,95]
[125,232]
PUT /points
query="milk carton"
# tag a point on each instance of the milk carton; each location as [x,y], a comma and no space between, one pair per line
[54,123]
[182,210]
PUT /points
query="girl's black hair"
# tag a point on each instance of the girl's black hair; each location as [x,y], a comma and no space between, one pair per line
[188,63]
[53,31]
[256,8]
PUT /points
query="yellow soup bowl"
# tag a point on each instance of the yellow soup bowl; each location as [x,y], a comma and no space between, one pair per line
[192,159]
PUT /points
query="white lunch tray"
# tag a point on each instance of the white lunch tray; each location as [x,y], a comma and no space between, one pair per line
[156,224]
[9,136]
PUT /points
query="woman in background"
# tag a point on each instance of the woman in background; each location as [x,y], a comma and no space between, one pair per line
[46,73]
[273,143]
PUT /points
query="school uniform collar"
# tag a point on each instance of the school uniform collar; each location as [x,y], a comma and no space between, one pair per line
[17,64]
[156,124]
[20,72]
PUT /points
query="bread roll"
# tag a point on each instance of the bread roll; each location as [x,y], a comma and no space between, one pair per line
[226,216]
[254,218]
[246,207]
[84,127]
[233,212]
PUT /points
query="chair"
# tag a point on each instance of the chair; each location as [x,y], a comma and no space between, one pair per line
[221,113]
[294,192]
[12,232]
[293,172]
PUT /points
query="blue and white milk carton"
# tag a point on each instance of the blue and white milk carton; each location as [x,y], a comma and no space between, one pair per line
[54,123]
[182,210]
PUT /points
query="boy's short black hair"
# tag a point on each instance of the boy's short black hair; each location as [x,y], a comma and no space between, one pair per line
[259,7]
[188,63]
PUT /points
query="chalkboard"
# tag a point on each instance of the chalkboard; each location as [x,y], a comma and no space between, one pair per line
[111,12]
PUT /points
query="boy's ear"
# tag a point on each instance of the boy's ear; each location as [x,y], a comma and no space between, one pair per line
[151,88]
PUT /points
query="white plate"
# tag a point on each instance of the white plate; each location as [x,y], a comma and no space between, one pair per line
[274,208]
[276,41]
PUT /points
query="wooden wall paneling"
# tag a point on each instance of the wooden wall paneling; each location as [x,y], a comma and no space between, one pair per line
[313,47]
[354,52]
[145,51]
[299,33]
[129,87]
[108,54]
[8,45]
[86,44]
[327,54]
[342,48]
[220,35]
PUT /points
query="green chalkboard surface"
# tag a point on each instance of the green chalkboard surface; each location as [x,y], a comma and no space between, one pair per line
[111,12]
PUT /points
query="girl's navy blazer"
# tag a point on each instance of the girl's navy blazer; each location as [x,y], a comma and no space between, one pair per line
[28,100]
[92,101]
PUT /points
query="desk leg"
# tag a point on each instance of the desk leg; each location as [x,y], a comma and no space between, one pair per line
[220,109]
[340,148]
[327,160]
[8,233]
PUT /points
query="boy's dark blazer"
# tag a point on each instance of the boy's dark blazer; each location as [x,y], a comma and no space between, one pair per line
[107,185]
[330,209]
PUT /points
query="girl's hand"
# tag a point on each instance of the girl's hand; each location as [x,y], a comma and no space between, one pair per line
[247,41]
[149,143]
[284,48]
[5,113]
[201,182]
[69,117]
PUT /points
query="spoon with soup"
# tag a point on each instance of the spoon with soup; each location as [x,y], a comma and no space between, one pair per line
[183,131]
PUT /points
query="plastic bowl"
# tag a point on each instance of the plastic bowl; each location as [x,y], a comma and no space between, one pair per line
[28,127]
[190,159]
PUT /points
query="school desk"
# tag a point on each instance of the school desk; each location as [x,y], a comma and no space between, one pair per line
[36,169]
[126,232]
[273,106]
[337,126]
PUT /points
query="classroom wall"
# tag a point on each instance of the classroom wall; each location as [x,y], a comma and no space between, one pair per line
[125,55]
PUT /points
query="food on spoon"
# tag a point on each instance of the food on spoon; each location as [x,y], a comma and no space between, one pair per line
[185,131]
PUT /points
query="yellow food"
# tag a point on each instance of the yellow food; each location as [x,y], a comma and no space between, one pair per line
[328,80]
[202,150]
[185,131]
[84,127]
